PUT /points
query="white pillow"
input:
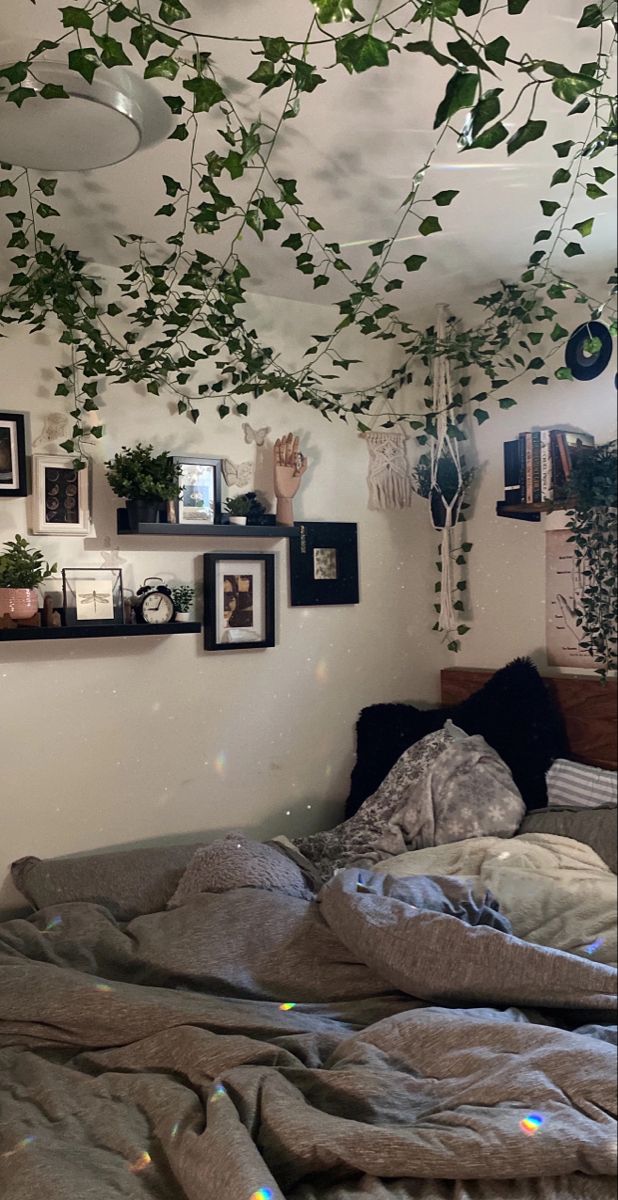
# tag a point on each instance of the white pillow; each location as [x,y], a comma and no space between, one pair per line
[574,785]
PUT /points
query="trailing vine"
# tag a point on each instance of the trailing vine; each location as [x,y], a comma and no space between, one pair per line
[175,322]
[593,496]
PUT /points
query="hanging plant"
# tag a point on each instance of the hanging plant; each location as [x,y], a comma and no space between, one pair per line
[593,492]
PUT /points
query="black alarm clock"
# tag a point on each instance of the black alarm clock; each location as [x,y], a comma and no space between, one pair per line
[153,603]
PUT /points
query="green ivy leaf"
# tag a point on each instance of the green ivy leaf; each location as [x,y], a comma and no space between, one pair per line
[414,262]
[76,18]
[85,62]
[563,373]
[360,52]
[497,50]
[172,11]
[593,192]
[321,281]
[530,132]
[549,207]
[465,53]
[335,10]
[542,236]
[47,186]
[461,629]
[175,104]
[119,13]
[45,211]
[454,647]
[163,67]
[206,93]
[584,227]
[516,7]
[180,133]
[506,402]
[428,48]
[275,48]
[15,73]
[166,210]
[572,249]
[442,199]
[53,91]
[572,86]
[293,242]
[7,188]
[558,333]
[112,53]
[460,93]
[490,137]
[602,175]
[172,186]
[142,37]
[19,95]
[429,225]
[563,149]
[394,285]
[560,176]
[378,248]
[480,415]
[591,17]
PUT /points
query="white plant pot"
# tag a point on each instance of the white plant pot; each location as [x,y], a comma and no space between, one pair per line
[238,520]
[184,618]
[19,603]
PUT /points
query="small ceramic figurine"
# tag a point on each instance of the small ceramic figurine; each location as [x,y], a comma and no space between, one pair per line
[290,466]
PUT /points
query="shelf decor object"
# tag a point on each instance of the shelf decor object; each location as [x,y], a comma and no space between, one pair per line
[239,601]
[222,530]
[93,596]
[13,478]
[65,633]
[199,502]
[324,564]
[61,496]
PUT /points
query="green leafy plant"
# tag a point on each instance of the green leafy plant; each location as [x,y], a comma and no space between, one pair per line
[140,474]
[183,596]
[238,506]
[593,489]
[21,566]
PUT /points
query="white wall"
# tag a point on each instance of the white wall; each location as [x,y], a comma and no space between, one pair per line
[507,564]
[110,742]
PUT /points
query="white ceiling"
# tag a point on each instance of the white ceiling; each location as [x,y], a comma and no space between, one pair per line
[353,150]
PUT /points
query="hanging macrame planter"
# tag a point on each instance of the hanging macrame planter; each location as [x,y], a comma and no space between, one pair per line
[390,484]
[447,486]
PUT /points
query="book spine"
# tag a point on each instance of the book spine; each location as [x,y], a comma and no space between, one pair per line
[565,457]
[547,481]
[511,472]
[522,468]
[536,467]
[528,437]
[558,477]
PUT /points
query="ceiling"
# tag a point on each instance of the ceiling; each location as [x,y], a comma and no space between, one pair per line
[353,150]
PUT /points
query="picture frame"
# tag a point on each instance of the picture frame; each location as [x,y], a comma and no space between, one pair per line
[324,564]
[93,596]
[60,496]
[13,471]
[200,482]
[239,601]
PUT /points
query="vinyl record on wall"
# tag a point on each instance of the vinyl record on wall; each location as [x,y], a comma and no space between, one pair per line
[583,364]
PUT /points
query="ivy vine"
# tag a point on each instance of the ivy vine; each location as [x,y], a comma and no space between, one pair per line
[593,496]
[175,322]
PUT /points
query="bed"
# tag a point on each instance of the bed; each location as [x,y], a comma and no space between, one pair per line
[391,1041]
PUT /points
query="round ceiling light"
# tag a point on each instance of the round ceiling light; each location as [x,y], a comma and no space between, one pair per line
[102,123]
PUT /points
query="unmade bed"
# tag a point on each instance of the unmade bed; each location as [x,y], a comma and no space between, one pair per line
[388,1038]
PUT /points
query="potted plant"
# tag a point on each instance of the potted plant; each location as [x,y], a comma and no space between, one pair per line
[22,569]
[183,599]
[238,508]
[450,488]
[144,480]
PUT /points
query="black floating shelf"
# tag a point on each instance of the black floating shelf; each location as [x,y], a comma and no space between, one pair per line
[164,529]
[67,632]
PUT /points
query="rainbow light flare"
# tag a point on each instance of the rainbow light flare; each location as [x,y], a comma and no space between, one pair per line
[55,923]
[531,1124]
[143,1160]
[262,1194]
[220,763]
[287,1007]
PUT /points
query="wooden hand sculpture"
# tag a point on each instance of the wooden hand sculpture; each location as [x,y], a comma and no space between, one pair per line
[290,466]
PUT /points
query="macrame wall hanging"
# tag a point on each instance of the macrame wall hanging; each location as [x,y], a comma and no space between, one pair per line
[447,476]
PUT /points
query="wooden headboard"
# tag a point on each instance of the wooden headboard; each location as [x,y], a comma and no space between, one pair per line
[588,707]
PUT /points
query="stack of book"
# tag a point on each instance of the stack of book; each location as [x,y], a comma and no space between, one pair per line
[538,464]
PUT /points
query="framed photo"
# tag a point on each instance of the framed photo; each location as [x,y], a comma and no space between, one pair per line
[239,601]
[324,564]
[60,496]
[200,496]
[93,596]
[13,479]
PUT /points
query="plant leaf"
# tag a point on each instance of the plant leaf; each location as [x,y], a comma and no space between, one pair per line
[584,227]
[573,86]
[560,176]
[460,93]
[530,132]
[414,262]
[490,137]
[442,199]
[163,67]
[172,11]
[76,18]
[360,52]
[429,225]
[563,149]
[549,207]
[591,17]
[206,93]
[85,62]
[497,50]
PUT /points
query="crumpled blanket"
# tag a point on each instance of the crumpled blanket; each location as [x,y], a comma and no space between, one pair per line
[446,787]
[249,1045]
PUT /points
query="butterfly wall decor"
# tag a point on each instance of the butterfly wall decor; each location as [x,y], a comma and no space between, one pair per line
[255,435]
[237,475]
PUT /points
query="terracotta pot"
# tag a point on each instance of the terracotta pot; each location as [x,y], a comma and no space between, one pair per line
[238,520]
[19,603]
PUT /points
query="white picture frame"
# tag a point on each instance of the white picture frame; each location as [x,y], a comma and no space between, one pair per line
[60,500]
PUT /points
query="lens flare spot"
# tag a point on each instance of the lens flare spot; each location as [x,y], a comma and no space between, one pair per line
[103,987]
[174,1129]
[287,1007]
[218,1092]
[262,1194]
[54,923]
[531,1124]
[321,671]
[593,946]
[141,1162]
[220,763]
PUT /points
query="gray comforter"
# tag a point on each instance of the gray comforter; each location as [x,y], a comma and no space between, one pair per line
[384,1043]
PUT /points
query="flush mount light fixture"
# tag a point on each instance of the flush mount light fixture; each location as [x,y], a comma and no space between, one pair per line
[103,122]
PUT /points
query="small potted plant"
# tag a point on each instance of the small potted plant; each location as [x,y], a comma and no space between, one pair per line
[183,599]
[144,480]
[22,569]
[238,508]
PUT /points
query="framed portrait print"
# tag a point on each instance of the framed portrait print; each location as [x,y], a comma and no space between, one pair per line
[200,495]
[239,601]
[60,496]
[93,596]
[13,480]
[324,564]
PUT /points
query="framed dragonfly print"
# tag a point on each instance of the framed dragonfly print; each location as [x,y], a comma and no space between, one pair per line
[61,504]
[93,596]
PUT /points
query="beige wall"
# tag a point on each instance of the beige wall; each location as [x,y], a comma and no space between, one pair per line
[109,742]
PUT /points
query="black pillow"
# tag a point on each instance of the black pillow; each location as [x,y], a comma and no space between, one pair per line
[514,712]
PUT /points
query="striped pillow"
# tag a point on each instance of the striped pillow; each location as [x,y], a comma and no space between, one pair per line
[575,785]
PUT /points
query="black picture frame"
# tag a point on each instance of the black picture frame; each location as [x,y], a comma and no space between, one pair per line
[219,635]
[73,576]
[212,467]
[13,441]
[324,564]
